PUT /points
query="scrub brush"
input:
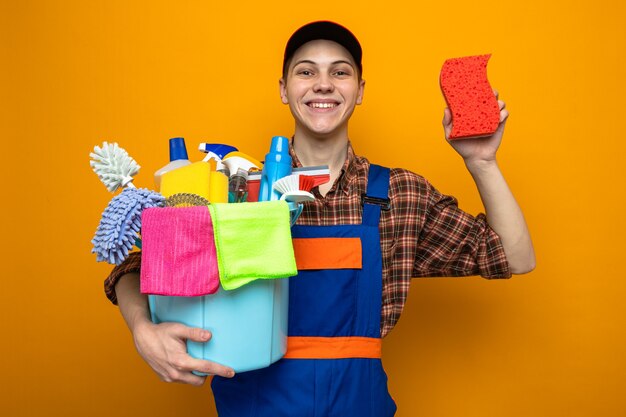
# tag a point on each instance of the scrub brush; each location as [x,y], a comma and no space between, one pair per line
[320,174]
[295,188]
[121,222]
[114,166]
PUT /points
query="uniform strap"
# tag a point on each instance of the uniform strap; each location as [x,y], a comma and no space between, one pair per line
[377,196]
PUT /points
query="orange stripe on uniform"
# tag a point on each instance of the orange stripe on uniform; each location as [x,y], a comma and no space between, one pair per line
[328,253]
[300,347]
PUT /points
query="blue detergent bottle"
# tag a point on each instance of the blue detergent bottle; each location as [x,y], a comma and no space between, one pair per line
[277,165]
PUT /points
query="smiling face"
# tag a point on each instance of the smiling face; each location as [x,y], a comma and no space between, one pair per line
[322,87]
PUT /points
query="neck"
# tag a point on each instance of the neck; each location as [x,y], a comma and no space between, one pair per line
[327,150]
[315,150]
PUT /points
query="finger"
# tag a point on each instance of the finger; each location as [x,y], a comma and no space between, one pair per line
[184,364]
[192,379]
[191,333]
[211,368]
[447,117]
[501,104]
[504,114]
[495,92]
[183,377]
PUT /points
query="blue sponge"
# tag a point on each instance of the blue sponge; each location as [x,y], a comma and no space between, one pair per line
[121,223]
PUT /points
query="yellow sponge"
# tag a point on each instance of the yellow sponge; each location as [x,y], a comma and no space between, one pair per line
[193,178]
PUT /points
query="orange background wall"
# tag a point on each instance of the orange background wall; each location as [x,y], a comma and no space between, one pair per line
[76,73]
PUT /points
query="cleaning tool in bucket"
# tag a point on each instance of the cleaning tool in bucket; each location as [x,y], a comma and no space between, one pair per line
[121,222]
[253,183]
[218,181]
[194,178]
[113,165]
[253,242]
[295,188]
[295,210]
[178,252]
[178,159]
[237,160]
[218,192]
[238,186]
[320,174]
[185,200]
[277,165]
[248,324]
[219,150]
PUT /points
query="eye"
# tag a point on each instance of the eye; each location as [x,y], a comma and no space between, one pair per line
[342,73]
[304,72]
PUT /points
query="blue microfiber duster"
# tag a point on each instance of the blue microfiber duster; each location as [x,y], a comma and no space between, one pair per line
[121,223]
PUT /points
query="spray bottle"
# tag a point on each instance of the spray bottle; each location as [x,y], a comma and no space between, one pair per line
[236,160]
[277,164]
[238,186]
[218,190]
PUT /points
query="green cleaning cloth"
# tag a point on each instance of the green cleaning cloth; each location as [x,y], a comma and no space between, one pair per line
[253,241]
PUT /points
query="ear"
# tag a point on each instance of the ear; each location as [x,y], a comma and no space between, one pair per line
[359,97]
[283,90]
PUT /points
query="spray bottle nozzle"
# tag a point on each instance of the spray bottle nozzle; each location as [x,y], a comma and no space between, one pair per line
[211,155]
[218,149]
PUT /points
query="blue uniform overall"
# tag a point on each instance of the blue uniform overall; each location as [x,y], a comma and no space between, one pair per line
[333,366]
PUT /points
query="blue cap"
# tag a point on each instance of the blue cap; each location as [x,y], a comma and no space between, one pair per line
[280,144]
[178,149]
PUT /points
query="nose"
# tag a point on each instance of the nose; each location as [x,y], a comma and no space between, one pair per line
[323,84]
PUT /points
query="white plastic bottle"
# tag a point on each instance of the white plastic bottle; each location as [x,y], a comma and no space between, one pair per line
[178,158]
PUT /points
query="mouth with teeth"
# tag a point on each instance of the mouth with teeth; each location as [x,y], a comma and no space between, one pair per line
[322,105]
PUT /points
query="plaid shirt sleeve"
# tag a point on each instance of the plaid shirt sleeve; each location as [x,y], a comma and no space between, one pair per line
[425,234]
[454,243]
[130,264]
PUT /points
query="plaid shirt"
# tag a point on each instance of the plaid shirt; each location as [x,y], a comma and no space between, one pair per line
[424,234]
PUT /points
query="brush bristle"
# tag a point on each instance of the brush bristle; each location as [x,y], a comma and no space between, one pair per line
[288,183]
[306,182]
[320,179]
[113,165]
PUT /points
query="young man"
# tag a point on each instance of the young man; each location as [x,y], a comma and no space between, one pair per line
[402,227]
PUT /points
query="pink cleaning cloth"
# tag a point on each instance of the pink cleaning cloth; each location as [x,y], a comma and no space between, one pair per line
[178,256]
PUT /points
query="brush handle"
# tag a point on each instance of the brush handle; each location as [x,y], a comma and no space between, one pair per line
[128,183]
